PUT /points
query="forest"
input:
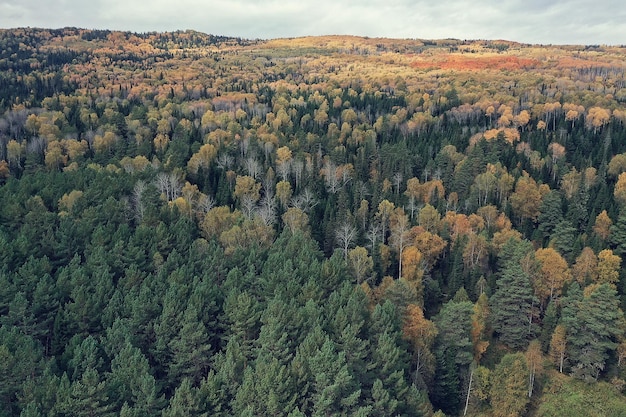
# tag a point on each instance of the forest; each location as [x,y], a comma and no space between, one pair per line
[199,225]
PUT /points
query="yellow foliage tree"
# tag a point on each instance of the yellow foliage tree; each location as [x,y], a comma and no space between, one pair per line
[296,220]
[534,359]
[74,148]
[620,190]
[68,201]
[479,334]
[283,192]
[246,186]
[584,269]
[429,218]
[597,117]
[201,159]
[602,226]
[552,275]
[430,245]
[360,263]
[15,152]
[617,165]
[246,235]
[608,267]
[526,199]
[385,208]
[55,159]
[219,219]
[558,346]
[104,143]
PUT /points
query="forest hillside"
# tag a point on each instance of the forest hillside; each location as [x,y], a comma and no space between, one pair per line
[197,225]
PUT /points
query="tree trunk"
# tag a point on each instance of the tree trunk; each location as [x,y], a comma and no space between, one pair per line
[469,390]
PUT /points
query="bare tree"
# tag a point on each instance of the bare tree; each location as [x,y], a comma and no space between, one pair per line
[346,176]
[305,201]
[413,205]
[136,200]
[248,204]
[345,235]
[399,233]
[372,235]
[16,120]
[297,166]
[268,147]
[90,136]
[244,145]
[36,145]
[397,180]
[284,169]
[169,185]
[362,190]
[205,203]
[266,209]
[268,184]
[253,167]
[225,161]
[332,182]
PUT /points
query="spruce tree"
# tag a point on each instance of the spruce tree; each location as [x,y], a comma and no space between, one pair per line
[446,391]
[512,307]
[593,329]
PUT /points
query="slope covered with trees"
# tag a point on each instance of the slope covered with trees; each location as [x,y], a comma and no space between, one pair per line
[200,225]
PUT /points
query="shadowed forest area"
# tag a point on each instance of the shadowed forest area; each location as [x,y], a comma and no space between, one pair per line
[197,225]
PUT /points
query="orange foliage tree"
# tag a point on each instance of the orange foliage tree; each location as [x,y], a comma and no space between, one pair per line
[421,334]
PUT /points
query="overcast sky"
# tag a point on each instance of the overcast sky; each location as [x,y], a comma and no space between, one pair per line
[532,21]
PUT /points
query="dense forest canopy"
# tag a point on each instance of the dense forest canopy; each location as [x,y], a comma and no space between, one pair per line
[197,225]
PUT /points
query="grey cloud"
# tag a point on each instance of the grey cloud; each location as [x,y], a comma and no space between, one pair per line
[533,21]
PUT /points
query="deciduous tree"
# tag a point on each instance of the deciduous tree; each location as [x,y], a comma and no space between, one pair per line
[360,263]
[421,333]
[608,267]
[553,273]
[602,225]
[509,386]
[558,346]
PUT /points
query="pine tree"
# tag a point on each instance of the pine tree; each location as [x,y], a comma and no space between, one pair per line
[383,403]
[565,238]
[191,351]
[512,307]
[334,391]
[551,212]
[20,359]
[185,402]
[548,324]
[446,392]
[222,383]
[454,323]
[347,317]
[242,314]
[131,383]
[280,332]
[592,325]
[89,396]
[617,237]
[301,368]
[389,365]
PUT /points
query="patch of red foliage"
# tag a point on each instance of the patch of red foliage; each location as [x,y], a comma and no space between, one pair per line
[469,63]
